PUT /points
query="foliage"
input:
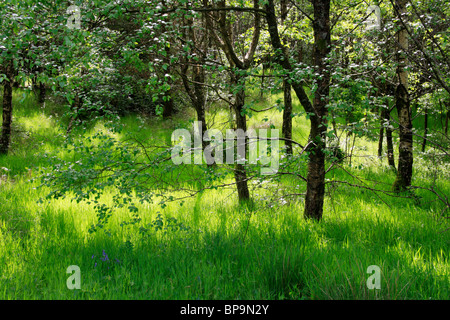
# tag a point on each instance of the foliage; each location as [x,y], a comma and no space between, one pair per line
[96,156]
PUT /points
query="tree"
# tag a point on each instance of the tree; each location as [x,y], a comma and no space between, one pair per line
[23,28]
[287,111]
[5,138]
[195,60]
[238,67]
[402,104]
[316,111]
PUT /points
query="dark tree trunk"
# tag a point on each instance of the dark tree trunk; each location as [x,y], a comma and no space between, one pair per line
[315,191]
[446,123]
[168,109]
[402,103]
[405,157]
[287,117]
[5,138]
[197,96]
[42,92]
[425,124]
[42,88]
[200,102]
[385,118]
[287,113]
[263,77]
[195,88]
[390,144]
[282,57]
[318,110]
[315,185]
[240,172]
[380,141]
[226,41]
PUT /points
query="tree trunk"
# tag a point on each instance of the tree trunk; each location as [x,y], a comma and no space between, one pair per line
[5,138]
[168,109]
[402,103]
[315,190]
[263,77]
[200,99]
[425,133]
[381,137]
[287,117]
[315,184]
[385,118]
[225,41]
[42,92]
[202,119]
[446,123]
[287,113]
[405,156]
[240,172]
[318,111]
[389,142]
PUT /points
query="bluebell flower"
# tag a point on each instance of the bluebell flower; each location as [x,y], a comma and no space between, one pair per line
[105,256]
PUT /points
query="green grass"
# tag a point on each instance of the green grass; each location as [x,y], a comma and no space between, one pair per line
[227,252]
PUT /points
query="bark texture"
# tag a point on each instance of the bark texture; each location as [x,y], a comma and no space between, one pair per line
[5,137]
[402,104]
[315,190]
[386,118]
[287,117]
[405,150]
[226,42]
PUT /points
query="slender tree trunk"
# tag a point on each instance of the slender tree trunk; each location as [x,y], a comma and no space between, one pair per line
[425,124]
[405,157]
[200,99]
[201,117]
[168,108]
[287,117]
[42,89]
[315,185]
[385,118]
[263,77]
[315,190]
[287,113]
[226,41]
[389,142]
[240,172]
[381,137]
[196,90]
[42,92]
[402,103]
[446,123]
[5,137]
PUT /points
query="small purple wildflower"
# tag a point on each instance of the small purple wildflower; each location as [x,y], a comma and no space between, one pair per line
[105,256]
[106,261]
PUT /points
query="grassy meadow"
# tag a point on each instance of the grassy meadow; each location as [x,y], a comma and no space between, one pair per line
[210,247]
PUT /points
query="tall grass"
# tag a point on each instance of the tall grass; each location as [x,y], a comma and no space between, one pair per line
[217,249]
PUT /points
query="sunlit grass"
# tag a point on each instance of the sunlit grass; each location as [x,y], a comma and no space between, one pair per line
[227,251]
